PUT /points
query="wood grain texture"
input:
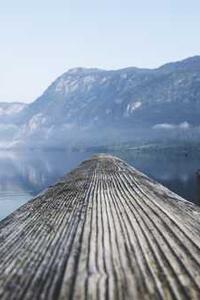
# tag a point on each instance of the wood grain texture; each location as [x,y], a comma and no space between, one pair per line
[105,231]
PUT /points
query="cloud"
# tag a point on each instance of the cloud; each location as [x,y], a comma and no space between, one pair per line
[168,126]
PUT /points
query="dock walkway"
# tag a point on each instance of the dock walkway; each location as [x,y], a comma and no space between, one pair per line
[105,231]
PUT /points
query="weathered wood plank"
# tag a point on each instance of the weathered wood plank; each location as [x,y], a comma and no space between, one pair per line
[105,231]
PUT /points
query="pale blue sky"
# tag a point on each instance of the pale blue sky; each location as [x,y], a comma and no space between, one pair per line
[41,39]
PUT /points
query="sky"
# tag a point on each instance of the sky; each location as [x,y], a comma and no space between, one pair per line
[41,39]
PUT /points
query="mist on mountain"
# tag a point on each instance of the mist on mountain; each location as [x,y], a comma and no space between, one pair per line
[92,107]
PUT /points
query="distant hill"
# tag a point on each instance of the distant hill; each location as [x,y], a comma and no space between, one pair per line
[84,104]
[9,110]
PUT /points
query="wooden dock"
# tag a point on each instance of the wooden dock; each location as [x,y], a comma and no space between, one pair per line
[105,231]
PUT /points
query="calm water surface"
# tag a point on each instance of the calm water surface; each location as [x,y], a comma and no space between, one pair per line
[24,175]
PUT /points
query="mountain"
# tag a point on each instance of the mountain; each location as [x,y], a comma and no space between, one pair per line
[9,110]
[92,104]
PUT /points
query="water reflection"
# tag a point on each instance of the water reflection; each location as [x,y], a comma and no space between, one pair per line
[24,175]
[173,169]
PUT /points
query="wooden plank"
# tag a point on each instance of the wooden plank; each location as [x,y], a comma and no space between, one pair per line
[105,231]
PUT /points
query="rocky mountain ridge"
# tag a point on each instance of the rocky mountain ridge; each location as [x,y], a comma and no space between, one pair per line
[87,102]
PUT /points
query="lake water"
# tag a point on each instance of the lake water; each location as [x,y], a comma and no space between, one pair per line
[24,175]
